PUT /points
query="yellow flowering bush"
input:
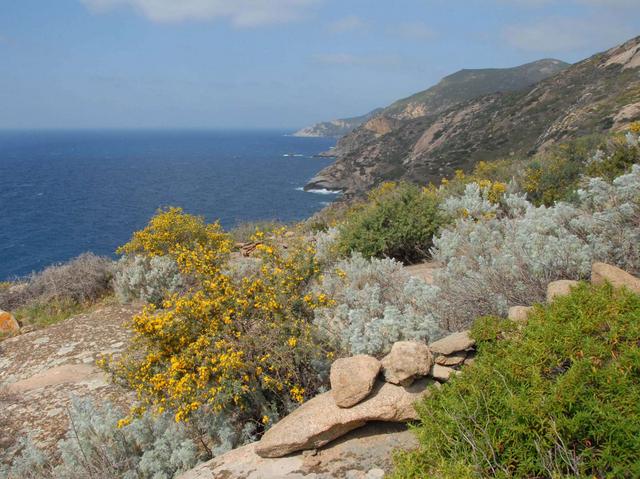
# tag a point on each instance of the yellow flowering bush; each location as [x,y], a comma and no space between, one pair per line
[171,230]
[244,344]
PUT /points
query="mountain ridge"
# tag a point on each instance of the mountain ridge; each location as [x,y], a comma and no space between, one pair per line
[597,94]
[336,128]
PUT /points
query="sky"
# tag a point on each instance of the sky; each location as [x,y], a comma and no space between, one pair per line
[268,63]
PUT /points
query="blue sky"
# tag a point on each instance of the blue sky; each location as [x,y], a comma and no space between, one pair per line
[268,63]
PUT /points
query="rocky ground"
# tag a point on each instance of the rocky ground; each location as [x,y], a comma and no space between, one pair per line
[362,454]
[41,371]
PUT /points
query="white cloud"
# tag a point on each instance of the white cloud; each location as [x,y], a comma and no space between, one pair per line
[412,31]
[241,13]
[347,24]
[559,34]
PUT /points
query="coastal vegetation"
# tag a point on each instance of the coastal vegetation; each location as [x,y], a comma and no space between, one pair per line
[557,398]
[234,338]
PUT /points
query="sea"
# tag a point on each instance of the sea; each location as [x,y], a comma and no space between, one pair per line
[66,192]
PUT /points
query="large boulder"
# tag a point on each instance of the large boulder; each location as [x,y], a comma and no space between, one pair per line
[8,324]
[352,379]
[559,288]
[454,343]
[406,361]
[320,421]
[366,452]
[603,272]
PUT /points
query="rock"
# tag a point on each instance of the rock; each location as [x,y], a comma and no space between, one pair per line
[406,361]
[442,373]
[352,379]
[369,448]
[453,343]
[320,421]
[375,474]
[43,370]
[8,324]
[559,288]
[519,314]
[454,359]
[424,271]
[602,272]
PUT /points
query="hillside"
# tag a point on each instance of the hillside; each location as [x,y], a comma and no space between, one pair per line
[598,94]
[336,128]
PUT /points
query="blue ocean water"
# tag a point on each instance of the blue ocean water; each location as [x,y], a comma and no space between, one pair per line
[66,192]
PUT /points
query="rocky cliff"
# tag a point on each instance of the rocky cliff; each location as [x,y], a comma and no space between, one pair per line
[336,128]
[480,114]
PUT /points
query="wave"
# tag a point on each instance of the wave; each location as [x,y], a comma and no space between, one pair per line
[320,191]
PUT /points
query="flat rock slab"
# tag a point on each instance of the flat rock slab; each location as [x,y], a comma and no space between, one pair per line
[454,359]
[454,343]
[41,371]
[362,452]
[320,421]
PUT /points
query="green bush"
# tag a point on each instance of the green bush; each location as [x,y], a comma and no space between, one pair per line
[398,222]
[559,398]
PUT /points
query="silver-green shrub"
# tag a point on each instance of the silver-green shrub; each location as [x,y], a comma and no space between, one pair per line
[83,279]
[147,279]
[151,447]
[374,304]
[491,264]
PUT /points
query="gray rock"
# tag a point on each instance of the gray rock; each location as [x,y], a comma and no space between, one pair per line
[407,361]
[453,343]
[320,421]
[352,379]
[559,288]
[602,272]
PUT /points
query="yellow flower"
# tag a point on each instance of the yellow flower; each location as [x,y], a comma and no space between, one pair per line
[292,342]
[265,420]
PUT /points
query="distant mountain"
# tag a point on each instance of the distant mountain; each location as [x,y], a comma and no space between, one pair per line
[451,90]
[475,115]
[336,128]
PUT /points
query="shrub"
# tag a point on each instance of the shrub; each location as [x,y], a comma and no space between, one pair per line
[83,279]
[558,399]
[231,343]
[374,303]
[151,447]
[171,231]
[491,264]
[243,232]
[398,221]
[149,279]
[615,157]
[326,244]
